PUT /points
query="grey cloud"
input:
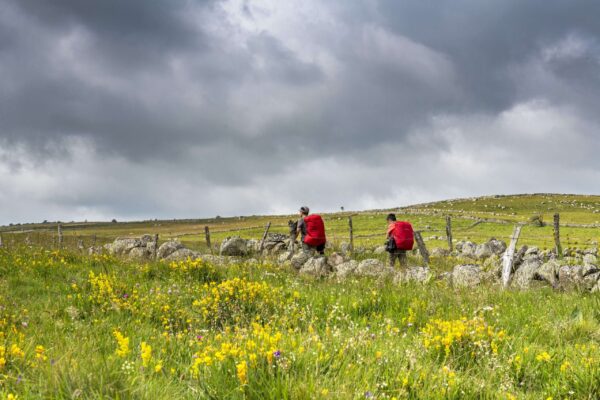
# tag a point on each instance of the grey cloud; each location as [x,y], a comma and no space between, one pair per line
[224,99]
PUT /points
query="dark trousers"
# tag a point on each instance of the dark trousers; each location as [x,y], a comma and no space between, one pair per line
[399,255]
[319,249]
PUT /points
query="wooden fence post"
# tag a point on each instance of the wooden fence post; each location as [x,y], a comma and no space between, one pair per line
[0,240]
[155,246]
[351,234]
[509,257]
[60,236]
[264,237]
[207,236]
[449,232]
[422,248]
[558,247]
[292,226]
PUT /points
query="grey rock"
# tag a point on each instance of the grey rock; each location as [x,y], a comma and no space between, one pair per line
[413,274]
[468,249]
[548,272]
[168,248]
[316,266]
[299,259]
[283,257]
[526,273]
[182,255]
[590,259]
[440,252]
[122,246]
[139,254]
[345,248]
[345,269]
[379,250]
[580,277]
[467,275]
[370,267]
[146,239]
[335,259]
[493,265]
[234,246]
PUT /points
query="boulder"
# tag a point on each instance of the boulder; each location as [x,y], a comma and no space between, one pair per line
[493,266]
[335,259]
[440,252]
[467,275]
[299,259]
[379,250]
[468,249]
[582,277]
[370,267]
[146,240]
[548,272]
[122,246]
[253,245]
[345,248]
[182,255]
[316,266]
[590,259]
[139,254]
[168,248]
[234,246]
[526,273]
[413,274]
[489,248]
[346,268]
[283,257]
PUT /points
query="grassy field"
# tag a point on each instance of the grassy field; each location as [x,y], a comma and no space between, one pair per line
[90,327]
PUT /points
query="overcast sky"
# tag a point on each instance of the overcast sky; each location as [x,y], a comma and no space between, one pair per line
[174,109]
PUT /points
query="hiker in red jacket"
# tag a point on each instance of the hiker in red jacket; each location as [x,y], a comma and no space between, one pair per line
[312,231]
[400,239]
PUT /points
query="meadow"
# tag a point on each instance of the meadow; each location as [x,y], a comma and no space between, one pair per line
[91,327]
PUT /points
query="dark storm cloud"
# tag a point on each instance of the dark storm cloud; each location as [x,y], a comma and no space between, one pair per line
[218,99]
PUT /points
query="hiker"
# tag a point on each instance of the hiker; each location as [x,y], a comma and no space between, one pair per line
[312,231]
[400,239]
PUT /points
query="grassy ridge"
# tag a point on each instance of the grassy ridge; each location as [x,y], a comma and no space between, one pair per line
[500,213]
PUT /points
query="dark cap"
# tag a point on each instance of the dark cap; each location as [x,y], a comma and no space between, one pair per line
[391,217]
[304,210]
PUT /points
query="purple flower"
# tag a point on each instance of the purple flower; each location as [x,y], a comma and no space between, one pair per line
[368,394]
[125,296]
[277,354]
[199,337]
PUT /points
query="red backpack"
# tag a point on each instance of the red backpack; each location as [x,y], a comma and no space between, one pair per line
[315,230]
[403,235]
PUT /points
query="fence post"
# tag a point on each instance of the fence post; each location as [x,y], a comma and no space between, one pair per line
[449,232]
[60,236]
[509,257]
[264,237]
[558,247]
[155,246]
[0,240]
[351,234]
[207,236]
[422,248]
[293,228]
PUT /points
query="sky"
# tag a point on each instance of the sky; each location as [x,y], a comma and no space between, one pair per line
[185,109]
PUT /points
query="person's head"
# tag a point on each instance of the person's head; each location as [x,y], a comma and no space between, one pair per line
[303,211]
[391,218]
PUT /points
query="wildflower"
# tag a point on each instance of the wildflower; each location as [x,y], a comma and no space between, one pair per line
[122,344]
[242,372]
[158,367]
[277,354]
[146,353]
[324,392]
[565,366]
[543,357]
[40,353]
